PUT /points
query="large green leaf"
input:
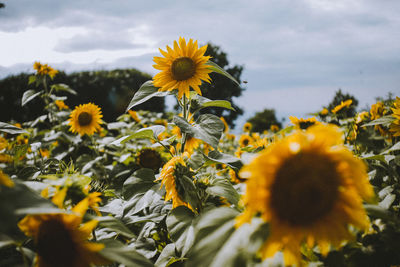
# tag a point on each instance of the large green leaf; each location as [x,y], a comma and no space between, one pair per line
[118,252]
[29,96]
[218,157]
[187,190]
[214,67]
[145,92]
[140,181]
[198,102]
[116,225]
[180,228]
[207,127]
[63,87]
[211,232]
[385,120]
[221,187]
[11,129]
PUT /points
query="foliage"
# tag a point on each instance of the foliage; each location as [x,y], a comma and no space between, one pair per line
[339,98]
[111,90]
[183,209]
[263,120]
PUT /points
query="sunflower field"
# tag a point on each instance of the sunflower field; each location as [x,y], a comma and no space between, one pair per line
[165,189]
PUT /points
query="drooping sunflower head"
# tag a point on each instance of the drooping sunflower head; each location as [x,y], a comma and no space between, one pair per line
[61,240]
[149,158]
[395,125]
[85,119]
[247,127]
[169,177]
[303,123]
[182,67]
[309,187]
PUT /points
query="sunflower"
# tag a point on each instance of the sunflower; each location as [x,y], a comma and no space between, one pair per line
[85,119]
[303,123]
[182,67]
[324,112]
[378,110]
[191,143]
[60,104]
[247,127]
[395,125]
[149,158]
[168,176]
[44,69]
[310,188]
[245,140]
[342,105]
[134,115]
[274,128]
[5,180]
[226,126]
[61,240]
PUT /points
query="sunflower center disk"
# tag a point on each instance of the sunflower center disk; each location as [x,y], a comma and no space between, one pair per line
[305,189]
[55,244]
[84,119]
[183,68]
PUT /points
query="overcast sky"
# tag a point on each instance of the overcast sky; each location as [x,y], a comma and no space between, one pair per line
[296,53]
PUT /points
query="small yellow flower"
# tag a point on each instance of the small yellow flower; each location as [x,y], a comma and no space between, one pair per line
[342,105]
[134,115]
[245,140]
[274,128]
[44,69]
[85,119]
[5,180]
[45,153]
[324,112]
[309,187]
[167,176]
[3,143]
[378,110]
[61,105]
[182,68]
[247,127]
[61,240]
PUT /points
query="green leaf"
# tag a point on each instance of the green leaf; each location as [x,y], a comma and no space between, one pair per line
[167,256]
[218,157]
[207,127]
[116,251]
[32,79]
[187,190]
[385,120]
[29,96]
[393,148]
[115,225]
[198,102]
[180,228]
[379,212]
[140,181]
[63,87]
[145,92]
[11,129]
[212,230]
[220,186]
[214,67]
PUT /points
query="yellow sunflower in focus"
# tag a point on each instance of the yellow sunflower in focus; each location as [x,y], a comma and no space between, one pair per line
[168,176]
[182,67]
[395,125]
[5,180]
[85,119]
[310,188]
[61,240]
[303,123]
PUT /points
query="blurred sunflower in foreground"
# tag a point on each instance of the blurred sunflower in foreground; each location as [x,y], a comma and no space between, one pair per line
[61,240]
[182,67]
[85,119]
[310,188]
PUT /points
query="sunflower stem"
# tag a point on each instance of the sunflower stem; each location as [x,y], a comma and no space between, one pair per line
[26,263]
[185,115]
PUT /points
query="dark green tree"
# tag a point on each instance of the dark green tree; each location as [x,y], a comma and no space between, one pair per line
[345,112]
[263,120]
[110,90]
[222,88]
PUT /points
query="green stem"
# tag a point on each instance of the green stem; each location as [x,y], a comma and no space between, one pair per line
[26,263]
[185,115]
